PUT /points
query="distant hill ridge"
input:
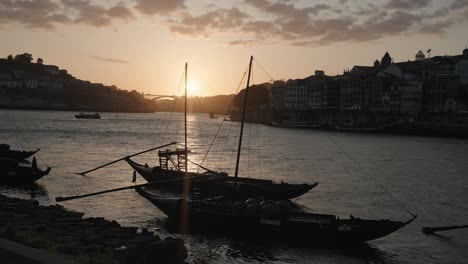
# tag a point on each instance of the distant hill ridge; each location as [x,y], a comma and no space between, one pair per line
[25,84]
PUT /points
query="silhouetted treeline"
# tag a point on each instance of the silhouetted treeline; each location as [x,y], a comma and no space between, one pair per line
[218,104]
[257,100]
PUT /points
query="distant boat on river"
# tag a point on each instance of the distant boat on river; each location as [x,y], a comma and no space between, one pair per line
[88,116]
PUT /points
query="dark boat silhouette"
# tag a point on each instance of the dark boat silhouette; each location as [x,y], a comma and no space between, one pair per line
[216,183]
[14,172]
[275,220]
[7,153]
[88,116]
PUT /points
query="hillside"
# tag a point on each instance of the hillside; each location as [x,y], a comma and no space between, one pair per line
[25,84]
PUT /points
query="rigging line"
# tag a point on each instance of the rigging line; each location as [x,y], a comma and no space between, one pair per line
[368,175]
[263,69]
[225,114]
[259,150]
[169,120]
[233,148]
[250,149]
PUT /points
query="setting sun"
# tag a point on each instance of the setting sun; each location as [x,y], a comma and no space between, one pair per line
[192,88]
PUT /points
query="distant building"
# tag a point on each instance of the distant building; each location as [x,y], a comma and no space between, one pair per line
[319,73]
[52,69]
[295,95]
[376,63]
[386,60]
[411,93]
[420,56]
[461,68]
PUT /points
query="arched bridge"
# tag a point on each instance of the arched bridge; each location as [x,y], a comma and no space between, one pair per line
[155,97]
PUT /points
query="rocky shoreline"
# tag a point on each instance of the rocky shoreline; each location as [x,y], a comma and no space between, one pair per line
[86,240]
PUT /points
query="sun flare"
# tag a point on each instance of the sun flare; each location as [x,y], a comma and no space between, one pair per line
[192,88]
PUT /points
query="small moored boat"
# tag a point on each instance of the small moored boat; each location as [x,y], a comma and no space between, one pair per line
[20,172]
[88,116]
[7,153]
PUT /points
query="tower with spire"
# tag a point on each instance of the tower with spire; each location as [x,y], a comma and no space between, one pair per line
[386,60]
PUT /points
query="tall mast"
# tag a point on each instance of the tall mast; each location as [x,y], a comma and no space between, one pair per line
[242,122]
[185,118]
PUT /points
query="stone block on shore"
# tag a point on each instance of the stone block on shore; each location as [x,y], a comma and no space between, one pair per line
[90,240]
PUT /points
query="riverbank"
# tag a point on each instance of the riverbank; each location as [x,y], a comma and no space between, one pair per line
[413,129]
[73,109]
[85,240]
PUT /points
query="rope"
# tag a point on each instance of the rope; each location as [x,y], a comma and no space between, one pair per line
[225,114]
[249,149]
[263,69]
[399,202]
[259,150]
[167,132]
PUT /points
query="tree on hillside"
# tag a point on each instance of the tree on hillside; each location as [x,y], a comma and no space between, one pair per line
[258,96]
[24,58]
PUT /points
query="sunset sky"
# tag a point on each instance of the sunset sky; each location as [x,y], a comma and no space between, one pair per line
[143,44]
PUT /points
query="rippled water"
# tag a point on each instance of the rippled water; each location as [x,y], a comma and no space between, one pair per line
[370,176]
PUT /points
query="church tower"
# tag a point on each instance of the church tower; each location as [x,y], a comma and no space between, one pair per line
[386,60]
[376,63]
[420,56]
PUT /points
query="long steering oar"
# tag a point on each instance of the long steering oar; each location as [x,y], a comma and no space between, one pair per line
[432,230]
[129,156]
[61,199]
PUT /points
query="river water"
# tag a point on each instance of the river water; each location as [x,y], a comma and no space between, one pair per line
[368,176]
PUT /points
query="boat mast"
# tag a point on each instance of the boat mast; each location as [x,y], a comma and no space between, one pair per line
[185,119]
[242,123]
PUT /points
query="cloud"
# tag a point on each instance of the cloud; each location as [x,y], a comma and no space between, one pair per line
[109,60]
[242,43]
[408,4]
[121,12]
[48,14]
[219,20]
[161,7]
[251,22]
[34,14]
[270,21]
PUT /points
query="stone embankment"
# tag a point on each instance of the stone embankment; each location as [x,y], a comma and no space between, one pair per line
[89,240]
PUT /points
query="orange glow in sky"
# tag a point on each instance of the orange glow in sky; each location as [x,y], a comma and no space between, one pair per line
[143,44]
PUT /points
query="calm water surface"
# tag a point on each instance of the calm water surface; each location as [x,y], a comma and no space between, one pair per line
[369,176]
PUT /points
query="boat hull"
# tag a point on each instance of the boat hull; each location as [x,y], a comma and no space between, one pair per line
[88,116]
[16,155]
[298,226]
[213,184]
[13,172]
